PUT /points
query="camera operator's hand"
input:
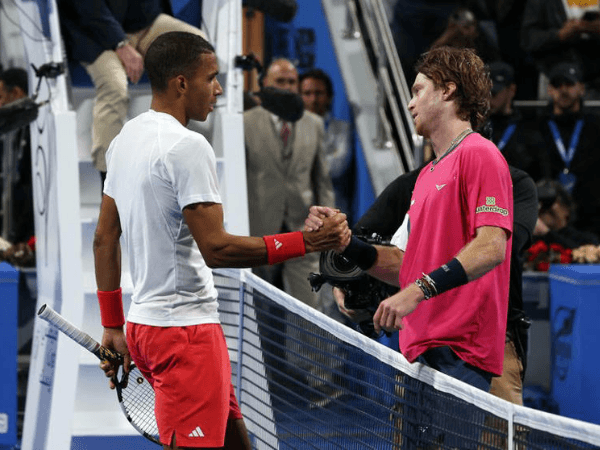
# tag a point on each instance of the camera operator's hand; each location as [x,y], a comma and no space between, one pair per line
[390,312]
[339,297]
[354,315]
[591,26]
[570,29]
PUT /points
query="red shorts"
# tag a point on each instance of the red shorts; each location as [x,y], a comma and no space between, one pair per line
[190,371]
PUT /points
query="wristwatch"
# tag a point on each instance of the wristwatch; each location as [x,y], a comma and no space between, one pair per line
[121,44]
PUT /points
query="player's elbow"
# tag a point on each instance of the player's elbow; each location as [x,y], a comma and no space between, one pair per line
[215,263]
[212,260]
[215,257]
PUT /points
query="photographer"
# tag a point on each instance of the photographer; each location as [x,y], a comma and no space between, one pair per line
[386,215]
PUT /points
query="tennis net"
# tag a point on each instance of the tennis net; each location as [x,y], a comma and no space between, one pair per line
[305,381]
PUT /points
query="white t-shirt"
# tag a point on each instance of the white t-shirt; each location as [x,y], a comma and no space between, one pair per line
[400,237]
[156,167]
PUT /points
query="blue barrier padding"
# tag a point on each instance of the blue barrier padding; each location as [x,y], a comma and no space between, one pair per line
[9,279]
[574,312]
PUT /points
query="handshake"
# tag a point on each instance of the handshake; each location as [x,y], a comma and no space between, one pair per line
[326,229]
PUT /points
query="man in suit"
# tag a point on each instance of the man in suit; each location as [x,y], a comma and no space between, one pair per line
[286,174]
[316,89]
[110,38]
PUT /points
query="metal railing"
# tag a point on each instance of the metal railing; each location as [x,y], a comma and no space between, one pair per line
[393,92]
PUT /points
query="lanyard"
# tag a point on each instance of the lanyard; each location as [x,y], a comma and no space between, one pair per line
[567,156]
[506,135]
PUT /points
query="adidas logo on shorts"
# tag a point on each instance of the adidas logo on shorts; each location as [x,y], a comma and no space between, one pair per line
[196,433]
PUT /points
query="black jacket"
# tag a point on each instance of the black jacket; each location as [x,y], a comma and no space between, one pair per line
[542,20]
[92,26]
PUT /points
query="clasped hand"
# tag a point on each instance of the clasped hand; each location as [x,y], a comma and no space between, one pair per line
[329,232]
[390,312]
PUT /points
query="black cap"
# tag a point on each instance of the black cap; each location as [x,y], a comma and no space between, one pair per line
[502,75]
[565,71]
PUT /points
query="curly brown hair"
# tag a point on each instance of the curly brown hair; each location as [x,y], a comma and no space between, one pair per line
[463,67]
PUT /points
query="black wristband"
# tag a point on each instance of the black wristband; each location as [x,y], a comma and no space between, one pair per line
[448,276]
[361,253]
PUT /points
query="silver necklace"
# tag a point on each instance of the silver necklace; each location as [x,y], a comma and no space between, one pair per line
[457,140]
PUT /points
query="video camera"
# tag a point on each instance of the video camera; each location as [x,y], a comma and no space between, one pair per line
[363,293]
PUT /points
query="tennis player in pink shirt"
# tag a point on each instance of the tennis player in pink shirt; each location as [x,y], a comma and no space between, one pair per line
[453,260]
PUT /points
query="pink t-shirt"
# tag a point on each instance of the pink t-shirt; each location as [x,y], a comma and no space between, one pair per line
[469,188]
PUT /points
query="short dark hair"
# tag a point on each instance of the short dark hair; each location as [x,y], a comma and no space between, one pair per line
[320,75]
[174,53]
[463,67]
[15,77]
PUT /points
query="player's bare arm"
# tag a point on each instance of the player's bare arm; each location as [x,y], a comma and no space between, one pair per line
[221,249]
[387,265]
[107,260]
[477,258]
[483,253]
[107,249]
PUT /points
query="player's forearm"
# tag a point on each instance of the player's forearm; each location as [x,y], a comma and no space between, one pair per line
[237,252]
[387,266]
[107,261]
[485,252]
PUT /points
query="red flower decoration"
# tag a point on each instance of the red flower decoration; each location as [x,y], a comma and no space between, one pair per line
[535,250]
[565,258]
[543,266]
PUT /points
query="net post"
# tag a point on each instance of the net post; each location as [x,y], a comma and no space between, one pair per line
[511,431]
[240,344]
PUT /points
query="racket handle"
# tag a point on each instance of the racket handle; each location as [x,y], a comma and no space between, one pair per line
[85,340]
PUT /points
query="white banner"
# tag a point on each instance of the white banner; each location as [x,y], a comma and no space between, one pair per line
[54,364]
[51,413]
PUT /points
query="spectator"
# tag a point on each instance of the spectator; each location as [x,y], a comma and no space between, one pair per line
[316,90]
[566,144]
[463,31]
[110,38]
[14,85]
[507,128]
[555,31]
[415,25]
[503,20]
[286,173]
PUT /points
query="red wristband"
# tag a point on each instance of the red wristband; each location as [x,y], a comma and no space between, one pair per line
[111,308]
[281,247]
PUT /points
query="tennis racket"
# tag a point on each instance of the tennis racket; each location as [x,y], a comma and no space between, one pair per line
[135,394]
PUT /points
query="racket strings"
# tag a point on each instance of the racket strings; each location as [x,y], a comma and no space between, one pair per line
[136,397]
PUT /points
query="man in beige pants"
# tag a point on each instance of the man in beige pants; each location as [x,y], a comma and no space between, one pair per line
[110,38]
